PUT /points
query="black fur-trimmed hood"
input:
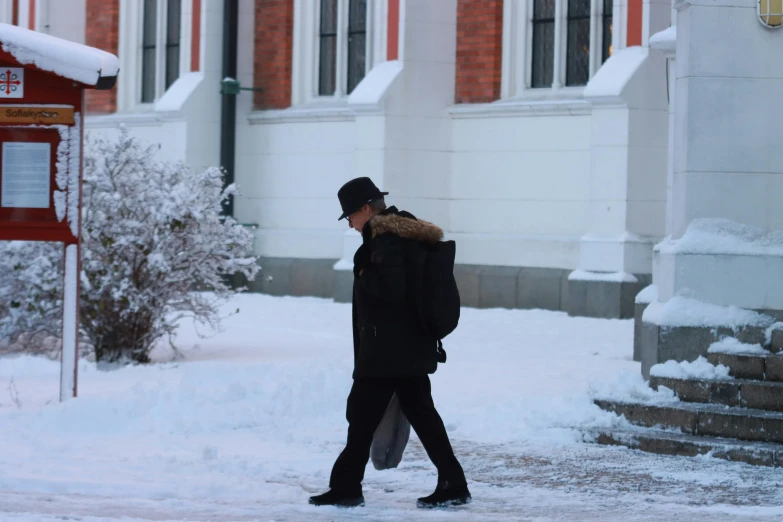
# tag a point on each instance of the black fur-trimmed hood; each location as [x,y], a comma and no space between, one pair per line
[406,226]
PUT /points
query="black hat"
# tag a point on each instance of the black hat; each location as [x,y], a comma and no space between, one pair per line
[357,193]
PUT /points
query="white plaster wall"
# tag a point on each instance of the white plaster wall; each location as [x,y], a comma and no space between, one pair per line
[169,135]
[63,18]
[185,121]
[418,126]
[746,281]
[628,162]
[292,162]
[520,189]
[289,173]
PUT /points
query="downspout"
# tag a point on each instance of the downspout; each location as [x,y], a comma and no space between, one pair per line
[228,111]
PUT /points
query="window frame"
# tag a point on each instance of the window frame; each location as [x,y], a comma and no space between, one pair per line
[306,50]
[131,38]
[516,77]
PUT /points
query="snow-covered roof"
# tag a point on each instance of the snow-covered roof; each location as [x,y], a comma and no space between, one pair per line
[64,58]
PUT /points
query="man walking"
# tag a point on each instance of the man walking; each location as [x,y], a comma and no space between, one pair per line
[392,352]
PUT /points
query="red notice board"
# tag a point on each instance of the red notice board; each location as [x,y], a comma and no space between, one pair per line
[41,135]
[28,172]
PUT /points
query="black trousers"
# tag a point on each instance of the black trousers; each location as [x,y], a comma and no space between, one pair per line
[367,403]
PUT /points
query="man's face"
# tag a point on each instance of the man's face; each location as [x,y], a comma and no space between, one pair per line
[358,219]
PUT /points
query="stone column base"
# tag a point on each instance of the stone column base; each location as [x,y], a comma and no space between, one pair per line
[661,343]
[612,299]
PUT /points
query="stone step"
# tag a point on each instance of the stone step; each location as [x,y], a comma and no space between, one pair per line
[758,395]
[684,445]
[751,366]
[703,419]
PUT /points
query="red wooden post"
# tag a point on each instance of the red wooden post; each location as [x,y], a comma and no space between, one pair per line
[41,108]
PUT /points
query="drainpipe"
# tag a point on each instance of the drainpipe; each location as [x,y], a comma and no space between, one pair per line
[228,111]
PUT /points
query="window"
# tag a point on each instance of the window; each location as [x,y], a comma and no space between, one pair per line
[336,43]
[328,48]
[173,27]
[160,47]
[578,47]
[357,43]
[607,31]
[543,43]
[336,39]
[551,44]
[148,50]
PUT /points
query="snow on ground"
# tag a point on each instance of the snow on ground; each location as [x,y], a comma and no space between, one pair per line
[248,423]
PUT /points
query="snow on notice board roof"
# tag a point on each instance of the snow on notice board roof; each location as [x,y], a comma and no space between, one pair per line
[67,59]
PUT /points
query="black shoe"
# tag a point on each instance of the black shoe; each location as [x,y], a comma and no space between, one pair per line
[333,498]
[446,495]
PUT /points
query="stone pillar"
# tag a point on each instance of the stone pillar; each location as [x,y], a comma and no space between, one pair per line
[628,184]
[723,213]
[727,161]
[628,175]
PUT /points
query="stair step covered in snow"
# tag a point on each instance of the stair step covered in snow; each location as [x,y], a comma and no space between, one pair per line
[703,419]
[685,445]
[746,361]
[729,392]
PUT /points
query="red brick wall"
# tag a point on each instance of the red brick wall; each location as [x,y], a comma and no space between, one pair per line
[103,20]
[274,42]
[479,50]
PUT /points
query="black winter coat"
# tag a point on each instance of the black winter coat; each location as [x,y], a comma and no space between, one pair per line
[388,337]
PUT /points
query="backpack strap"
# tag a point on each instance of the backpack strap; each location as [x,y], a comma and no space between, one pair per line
[441,353]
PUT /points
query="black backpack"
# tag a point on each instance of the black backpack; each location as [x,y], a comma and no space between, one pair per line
[439,304]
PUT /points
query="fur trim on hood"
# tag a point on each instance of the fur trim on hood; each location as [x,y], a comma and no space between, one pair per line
[407,228]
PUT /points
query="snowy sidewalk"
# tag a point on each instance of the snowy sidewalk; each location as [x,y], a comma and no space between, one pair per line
[249,424]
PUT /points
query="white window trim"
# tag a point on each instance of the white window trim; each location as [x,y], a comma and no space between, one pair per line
[518,48]
[305,62]
[129,49]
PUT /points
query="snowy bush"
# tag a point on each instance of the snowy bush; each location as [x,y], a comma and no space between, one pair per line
[31,287]
[151,233]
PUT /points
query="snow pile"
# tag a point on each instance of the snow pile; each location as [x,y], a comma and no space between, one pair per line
[74,168]
[722,236]
[247,424]
[768,333]
[274,400]
[731,345]
[682,311]
[68,59]
[665,40]
[698,369]
[609,277]
[630,388]
[648,295]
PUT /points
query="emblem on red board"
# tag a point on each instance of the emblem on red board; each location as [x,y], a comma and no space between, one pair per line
[12,82]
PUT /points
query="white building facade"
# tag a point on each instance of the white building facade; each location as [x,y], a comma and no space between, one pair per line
[536,133]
